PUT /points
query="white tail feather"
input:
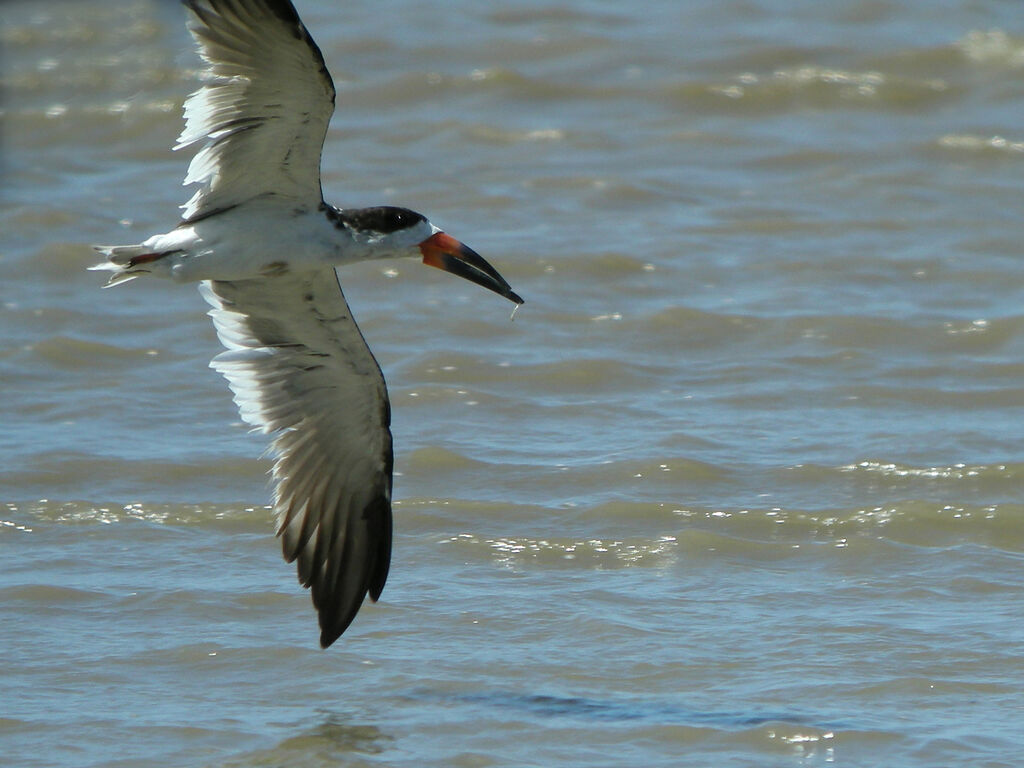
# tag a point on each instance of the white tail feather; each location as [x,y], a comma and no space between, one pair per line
[119,258]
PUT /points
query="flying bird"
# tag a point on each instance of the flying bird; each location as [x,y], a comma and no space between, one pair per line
[263,246]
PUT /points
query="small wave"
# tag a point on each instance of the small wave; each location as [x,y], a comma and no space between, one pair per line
[604,190]
[437,459]
[139,477]
[623,708]
[681,327]
[46,595]
[982,472]
[414,88]
[492,134]
[913,522]
[661,535]
[583,375]
[20,727]
[996,146]
[993,46]
[74,354]
[811,86]
[512,551]
[25,515]
[532,15]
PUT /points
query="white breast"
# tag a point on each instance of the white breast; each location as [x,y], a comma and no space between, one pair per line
[259,240]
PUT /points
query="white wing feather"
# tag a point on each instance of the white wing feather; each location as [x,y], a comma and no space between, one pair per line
[301,371]
[263,111]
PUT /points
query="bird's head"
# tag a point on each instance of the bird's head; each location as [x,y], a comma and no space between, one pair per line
[388,231]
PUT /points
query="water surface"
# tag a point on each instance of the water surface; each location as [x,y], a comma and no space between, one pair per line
[741,484]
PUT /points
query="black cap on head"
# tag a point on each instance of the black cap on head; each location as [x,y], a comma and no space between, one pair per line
[382,218]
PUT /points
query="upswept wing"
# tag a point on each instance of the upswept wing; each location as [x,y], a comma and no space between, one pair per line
[262,114]
[300,370]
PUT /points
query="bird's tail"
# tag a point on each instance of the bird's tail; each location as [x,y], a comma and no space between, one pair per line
[127,262]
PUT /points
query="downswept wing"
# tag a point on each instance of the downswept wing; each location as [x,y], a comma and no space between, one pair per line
[262,113]
[300,370]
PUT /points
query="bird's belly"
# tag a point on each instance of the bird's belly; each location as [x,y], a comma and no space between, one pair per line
[252,245]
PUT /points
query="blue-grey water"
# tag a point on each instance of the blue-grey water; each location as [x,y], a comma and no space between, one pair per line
[742,484]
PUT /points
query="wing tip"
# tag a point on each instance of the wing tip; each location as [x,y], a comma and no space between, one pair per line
[327,638]
[331,630]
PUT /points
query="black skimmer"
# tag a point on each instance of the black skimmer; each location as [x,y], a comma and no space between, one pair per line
[263,245]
